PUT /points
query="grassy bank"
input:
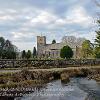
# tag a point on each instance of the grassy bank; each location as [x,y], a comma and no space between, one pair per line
[26,78]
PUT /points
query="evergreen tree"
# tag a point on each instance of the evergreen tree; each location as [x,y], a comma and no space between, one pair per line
[0,53]
[2,42]
[66,52]
[97,42]
[28,54]
[54,41]
[23,54]
[34,52]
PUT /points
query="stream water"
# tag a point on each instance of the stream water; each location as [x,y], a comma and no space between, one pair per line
[76,89]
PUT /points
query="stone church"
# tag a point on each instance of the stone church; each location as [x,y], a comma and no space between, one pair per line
[53,50]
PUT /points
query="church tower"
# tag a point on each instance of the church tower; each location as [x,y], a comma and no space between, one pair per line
[41,42]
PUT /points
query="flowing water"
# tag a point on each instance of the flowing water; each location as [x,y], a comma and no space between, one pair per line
[76,89]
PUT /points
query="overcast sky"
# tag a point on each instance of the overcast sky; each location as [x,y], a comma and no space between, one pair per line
[22,20]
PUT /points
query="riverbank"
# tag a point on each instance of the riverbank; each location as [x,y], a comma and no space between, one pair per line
[30,77]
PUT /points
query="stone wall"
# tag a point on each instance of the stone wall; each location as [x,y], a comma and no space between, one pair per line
[49,63]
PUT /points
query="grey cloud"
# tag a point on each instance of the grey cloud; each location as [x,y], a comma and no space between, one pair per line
[21,12]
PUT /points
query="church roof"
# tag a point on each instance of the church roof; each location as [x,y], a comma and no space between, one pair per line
[57,46]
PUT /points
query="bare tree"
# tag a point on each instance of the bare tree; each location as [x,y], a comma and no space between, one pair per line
[97,2]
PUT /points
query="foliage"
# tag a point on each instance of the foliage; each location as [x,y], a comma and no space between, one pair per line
[97,42]
[54,41]
[97,52]
[2,42]
[66,52]
[28,54]
[87,49]
[7,49]
[8,54]
[34,52]
[23,54]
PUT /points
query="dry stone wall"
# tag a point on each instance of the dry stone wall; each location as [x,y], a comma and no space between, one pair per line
[49,63]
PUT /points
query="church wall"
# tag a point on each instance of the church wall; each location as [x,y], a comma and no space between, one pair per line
[53,50]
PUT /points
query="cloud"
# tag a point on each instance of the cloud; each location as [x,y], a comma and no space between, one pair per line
[44,17]
[22,20]
[4,18]
[20,35]
[78,15]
